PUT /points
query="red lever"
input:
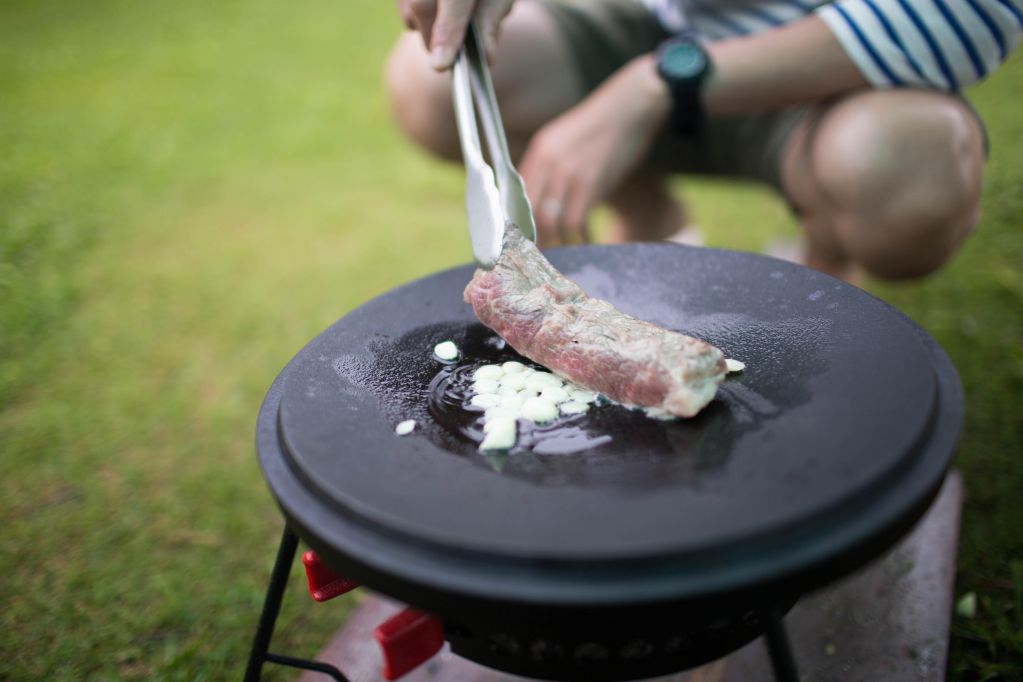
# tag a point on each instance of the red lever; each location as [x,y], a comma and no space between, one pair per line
[408,640]
[324,583]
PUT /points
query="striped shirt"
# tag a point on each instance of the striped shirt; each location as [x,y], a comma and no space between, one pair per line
[938,44]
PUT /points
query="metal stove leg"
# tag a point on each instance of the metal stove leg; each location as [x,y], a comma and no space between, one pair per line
[260,653]
[782,661]
[271,605]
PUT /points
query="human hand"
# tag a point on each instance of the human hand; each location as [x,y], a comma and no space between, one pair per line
[442,24]
[577,159]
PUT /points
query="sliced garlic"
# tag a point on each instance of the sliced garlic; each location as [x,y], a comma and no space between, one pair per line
[512,400]
[582,395]
[500,411]
[539,410]
[573,407]
[485,400]
[498,423]
[658,413]
[541,380]
[488,372]
[446,350]
[485,386]
[734,365]
[501,435]
[515,380]
[555,394]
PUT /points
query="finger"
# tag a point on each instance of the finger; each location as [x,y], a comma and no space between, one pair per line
[424,14]
[534,176]
[577,209]
[407,17]
[552,207]
[489,14]
[547,212]
[569,227]
[449,32]
[545,197]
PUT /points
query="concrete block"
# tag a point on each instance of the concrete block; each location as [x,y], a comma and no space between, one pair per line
[889,621]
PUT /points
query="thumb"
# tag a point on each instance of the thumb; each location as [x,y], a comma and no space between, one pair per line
[489,15]
[449,32]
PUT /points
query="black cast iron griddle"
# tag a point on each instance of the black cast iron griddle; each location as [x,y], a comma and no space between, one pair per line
[838,432]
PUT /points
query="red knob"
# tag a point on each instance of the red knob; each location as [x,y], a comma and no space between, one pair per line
[408,640]
[324,583]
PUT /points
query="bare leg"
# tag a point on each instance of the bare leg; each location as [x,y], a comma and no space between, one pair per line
[535,81]
[533,73]
[886,181]
[645,210]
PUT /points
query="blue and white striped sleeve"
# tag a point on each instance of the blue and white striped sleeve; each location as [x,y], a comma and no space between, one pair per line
[938,44]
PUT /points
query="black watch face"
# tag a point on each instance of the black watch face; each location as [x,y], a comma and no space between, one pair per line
[683,61]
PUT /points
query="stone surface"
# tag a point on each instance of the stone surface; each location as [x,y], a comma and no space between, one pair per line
[889,621]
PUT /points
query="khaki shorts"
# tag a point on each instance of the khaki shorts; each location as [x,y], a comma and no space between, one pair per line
[602,35]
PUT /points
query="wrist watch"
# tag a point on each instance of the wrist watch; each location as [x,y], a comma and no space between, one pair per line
[683,64]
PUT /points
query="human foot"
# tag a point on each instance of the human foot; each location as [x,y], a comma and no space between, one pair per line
[690,235]
[646,213]
[797,251]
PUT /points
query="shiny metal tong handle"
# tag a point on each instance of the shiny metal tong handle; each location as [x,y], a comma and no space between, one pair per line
[517,209]
[491,202]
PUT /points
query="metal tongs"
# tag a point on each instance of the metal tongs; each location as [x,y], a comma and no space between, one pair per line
[494,198]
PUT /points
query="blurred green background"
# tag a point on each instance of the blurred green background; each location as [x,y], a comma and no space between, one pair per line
[189,192]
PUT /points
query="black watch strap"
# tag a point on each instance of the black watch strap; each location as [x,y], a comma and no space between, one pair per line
[684,65]
[687,112]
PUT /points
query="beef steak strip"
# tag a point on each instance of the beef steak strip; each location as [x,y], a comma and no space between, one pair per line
[549,319]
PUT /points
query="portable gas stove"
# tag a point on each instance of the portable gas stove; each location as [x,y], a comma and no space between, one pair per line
[669,546]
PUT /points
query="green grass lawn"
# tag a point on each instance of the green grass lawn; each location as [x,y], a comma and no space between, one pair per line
[189,192]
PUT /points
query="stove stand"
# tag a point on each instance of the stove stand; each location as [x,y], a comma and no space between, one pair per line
[778,647]
[261,653]
[783,662]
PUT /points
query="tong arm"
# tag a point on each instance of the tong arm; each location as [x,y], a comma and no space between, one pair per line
[482,198]
[517,209]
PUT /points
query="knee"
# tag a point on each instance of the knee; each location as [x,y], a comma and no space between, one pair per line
[903,176]
[421,98]
[916,234]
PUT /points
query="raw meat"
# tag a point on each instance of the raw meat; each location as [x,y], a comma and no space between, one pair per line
[550,320]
